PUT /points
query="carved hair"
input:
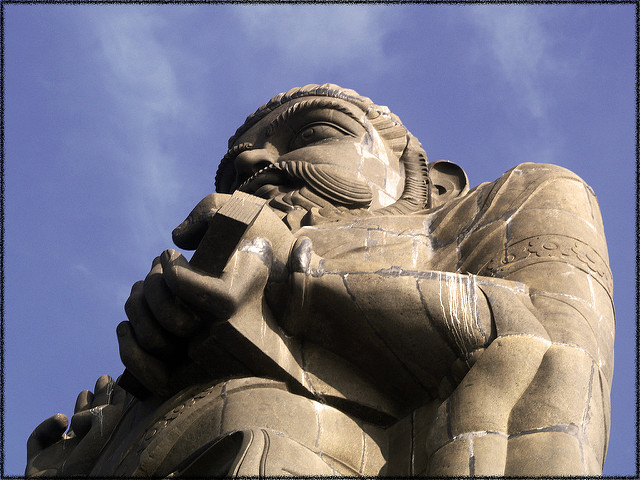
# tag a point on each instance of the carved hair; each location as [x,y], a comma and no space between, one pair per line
[389,127]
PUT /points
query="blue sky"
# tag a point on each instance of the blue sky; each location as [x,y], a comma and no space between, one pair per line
[117,115]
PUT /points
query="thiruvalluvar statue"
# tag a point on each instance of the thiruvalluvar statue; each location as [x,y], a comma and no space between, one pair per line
[353,309]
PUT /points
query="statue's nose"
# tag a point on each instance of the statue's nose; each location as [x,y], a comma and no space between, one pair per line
[251,161]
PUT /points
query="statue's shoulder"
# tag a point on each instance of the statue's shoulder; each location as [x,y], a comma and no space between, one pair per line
[544,211]
[543,170]
[528,179]
[531,202]
[539,187]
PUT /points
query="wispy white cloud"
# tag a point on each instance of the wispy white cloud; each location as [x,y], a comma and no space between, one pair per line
[521,47]
[139,62]
[141,78]
[320,35]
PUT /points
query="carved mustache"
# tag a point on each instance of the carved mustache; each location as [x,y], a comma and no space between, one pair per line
[330,182]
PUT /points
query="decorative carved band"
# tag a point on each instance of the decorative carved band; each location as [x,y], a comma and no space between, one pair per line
[556,248]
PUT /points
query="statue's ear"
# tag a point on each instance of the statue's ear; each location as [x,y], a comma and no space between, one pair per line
[446,182]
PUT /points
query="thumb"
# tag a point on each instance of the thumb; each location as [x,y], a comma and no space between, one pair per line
[46,434]
[188,234]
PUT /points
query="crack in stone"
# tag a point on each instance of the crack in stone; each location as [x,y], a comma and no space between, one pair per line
[364,450]
[545,341]
[568,428]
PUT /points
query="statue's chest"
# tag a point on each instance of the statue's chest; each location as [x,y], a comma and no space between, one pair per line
[404,241]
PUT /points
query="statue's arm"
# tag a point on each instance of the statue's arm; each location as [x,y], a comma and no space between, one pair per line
[561,421]
[413,331]
[560,424]
[538,337]
[555,418]
[537,401]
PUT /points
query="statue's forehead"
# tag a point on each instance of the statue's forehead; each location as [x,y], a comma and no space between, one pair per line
[298,107]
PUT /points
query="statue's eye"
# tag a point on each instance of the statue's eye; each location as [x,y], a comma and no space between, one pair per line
[317,132]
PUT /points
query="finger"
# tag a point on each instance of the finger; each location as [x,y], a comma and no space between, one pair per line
[103,390]
[169,313]
[248,269]
[108,393]
[205,293]
[46,434]
[150,371]
[150,335]
[119,395]
[300,258]
[244,276]
[81,423]
[83,402]
[188,234]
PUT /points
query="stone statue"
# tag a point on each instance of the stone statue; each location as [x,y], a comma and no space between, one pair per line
[352,309]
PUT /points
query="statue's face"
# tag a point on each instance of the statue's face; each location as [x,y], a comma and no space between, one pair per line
[316,151]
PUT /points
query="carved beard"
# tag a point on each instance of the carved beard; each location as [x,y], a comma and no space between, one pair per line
[301,184]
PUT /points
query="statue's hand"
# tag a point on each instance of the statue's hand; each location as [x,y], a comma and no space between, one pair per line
[51,452]
[173,308]
[175,304]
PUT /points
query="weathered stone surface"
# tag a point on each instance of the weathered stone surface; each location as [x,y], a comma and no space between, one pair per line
[352,309]
[555,451]
[597,418]
[489,453]
[560,393]
[452,459]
